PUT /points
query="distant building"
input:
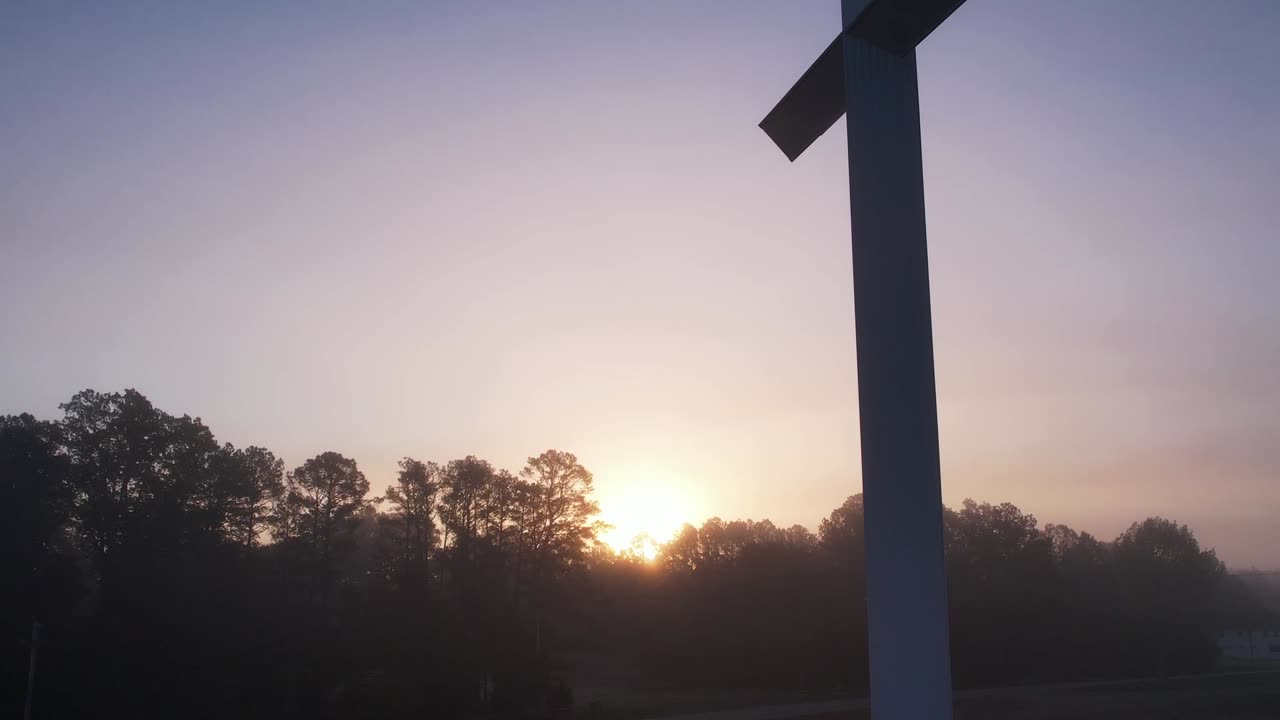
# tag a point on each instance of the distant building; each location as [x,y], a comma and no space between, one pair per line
[1252,646]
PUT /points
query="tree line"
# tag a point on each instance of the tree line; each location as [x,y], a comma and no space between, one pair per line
[748,604]
[166,574]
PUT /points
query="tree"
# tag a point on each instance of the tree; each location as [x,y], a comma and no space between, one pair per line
[35,503]
[465,486]
[563,521]
[1171,584]
[198,501]
[1002,582]
[505,514]
[413,500]
[150,498]
[326,494]
[842,534]
[1087,625]
[114,441]
[683,553]
[164,515]
[799,537]
[254,482]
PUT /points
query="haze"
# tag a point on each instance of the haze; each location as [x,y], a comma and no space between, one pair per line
[437,230]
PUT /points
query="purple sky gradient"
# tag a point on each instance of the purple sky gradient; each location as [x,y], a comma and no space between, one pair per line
[420,229]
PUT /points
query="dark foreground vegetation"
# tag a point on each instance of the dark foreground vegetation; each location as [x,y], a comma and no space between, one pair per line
[173,576]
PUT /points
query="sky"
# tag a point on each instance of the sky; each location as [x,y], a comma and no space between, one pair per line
[451,228]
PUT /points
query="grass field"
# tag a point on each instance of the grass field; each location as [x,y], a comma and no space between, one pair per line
[1241,696]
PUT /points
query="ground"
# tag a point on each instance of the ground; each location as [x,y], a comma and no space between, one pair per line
[1239,696]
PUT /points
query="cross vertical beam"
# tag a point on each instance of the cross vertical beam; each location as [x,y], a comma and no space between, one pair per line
[869,74]
[901,479]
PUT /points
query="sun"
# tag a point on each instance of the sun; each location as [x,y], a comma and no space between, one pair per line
[643,517]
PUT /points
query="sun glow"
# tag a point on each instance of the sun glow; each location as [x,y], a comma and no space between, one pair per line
[643,516]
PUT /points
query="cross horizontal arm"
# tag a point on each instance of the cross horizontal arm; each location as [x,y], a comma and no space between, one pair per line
[817,100]
[896,25]
[811,106]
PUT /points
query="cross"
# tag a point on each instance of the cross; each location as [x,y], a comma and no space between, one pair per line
[868,73]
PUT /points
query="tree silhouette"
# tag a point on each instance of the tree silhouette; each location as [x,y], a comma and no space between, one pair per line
[35,503]
[116,442]
[176,576]
[841,533]
[37,571]
[413,501]
[464,486]
[325,494]
[1171,583]
[254,482]
[561,524]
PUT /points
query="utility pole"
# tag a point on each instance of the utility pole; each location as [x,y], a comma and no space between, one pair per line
[31,667]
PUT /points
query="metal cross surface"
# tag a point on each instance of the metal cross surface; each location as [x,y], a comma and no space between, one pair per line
[868,73]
